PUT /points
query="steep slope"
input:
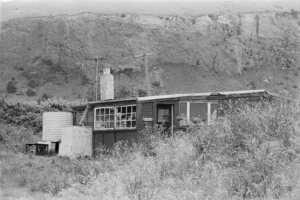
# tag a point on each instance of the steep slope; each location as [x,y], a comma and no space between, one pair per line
[55,55]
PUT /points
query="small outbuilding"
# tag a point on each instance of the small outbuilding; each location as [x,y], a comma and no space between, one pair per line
[76,141]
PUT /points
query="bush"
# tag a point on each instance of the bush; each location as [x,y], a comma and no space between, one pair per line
[193,21]
[30,92]
[13,138]
[11,87]
[33,83]
[30,115]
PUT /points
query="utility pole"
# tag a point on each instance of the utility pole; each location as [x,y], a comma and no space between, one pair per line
[147,75]
[97,74]
[96,78]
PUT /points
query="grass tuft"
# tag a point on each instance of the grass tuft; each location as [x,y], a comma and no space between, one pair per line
[251,152]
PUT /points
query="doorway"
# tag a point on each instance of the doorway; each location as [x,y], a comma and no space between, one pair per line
[165,117]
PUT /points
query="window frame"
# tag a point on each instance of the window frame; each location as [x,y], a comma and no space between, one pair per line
[115,117]
[188,113]
[95,117]
[125,128]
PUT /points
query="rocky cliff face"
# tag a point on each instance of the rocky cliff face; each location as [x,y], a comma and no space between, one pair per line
[54,56]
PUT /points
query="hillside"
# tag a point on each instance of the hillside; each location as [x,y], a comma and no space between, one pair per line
[13,9]
[54,55]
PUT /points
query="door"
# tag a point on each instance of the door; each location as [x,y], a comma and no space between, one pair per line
[165,116]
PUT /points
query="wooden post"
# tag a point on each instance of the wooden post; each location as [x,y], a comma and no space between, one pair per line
[147,75]
[95,57]
[96,92]
[84,114]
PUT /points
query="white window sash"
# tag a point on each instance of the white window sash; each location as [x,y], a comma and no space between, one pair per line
[208,112]
[120,128]
[188,111]
[115,117]
[95,121]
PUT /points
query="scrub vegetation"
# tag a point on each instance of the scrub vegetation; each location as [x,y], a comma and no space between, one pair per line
[251,152]
[29,115]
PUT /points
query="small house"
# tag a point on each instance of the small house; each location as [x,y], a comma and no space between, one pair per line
[113,120]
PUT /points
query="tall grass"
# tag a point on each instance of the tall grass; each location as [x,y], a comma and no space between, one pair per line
[252,152]
[45,174]
[257,144]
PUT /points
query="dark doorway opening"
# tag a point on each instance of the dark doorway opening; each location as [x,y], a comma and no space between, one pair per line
[165,117]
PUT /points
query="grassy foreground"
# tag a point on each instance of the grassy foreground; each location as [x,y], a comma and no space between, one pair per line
[250,153]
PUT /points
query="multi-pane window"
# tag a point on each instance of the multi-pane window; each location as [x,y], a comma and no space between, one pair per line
[120,117]
[105,118]
[125,117]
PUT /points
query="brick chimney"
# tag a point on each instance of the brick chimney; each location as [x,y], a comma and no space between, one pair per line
[106,85]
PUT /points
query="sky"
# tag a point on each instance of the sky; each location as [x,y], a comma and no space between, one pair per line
[156,0]
[274,1]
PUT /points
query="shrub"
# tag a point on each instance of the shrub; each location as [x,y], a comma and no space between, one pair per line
[30,115]
[156,83]
[33,83]
[213,17]
[30,92]
[13,138]
[142,93]
[11,87]
[84,80]
[193,21]
[45,97]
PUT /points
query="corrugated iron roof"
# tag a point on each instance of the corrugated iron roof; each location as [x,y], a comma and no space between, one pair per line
[172,96]
[228,93]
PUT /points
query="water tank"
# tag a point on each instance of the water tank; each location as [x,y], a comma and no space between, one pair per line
[53,122]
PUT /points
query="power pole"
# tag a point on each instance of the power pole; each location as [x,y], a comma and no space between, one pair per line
[97,74]
[96,58]
[147,75]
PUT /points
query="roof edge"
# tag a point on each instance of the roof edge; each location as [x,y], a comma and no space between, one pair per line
[201,94]
[170,96]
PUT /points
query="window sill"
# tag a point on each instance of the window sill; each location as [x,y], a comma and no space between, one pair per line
[116,130]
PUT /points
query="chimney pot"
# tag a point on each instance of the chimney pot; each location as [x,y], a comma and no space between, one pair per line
[106,71]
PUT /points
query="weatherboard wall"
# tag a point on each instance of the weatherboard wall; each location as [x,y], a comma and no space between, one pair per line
[109,137]
[146,111]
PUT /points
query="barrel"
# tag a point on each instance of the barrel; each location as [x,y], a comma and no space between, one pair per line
[53,122]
